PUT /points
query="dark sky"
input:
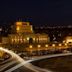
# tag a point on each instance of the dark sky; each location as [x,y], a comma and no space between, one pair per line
[40,12]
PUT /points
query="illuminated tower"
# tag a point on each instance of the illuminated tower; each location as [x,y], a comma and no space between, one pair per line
[24,27]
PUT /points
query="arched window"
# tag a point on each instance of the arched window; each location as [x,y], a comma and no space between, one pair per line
[30,40]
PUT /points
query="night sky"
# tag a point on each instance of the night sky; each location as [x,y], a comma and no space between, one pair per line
[39,12]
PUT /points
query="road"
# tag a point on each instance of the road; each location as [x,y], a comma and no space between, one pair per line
[29,67]
[17,64]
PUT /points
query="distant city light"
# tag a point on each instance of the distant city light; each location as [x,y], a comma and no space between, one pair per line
[65,44]
[30,46]
[39,46]
[34,39]
[18,28]
[53,45]
[46,45]
[64,41]
[27,38]
[60,44]
[18,23]
[69,40]
[0,29]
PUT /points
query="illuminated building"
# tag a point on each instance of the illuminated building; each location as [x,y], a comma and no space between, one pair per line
[5,40]
[53,45]
[23,27]
[46,45]
[68,40]
[39,46]
[30,46]
[29,38]
[60,44]
[24,34]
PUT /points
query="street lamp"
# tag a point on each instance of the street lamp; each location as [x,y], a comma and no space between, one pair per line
[60,45]
[53,45]
[30,46]
[39,46]
[27,38]
[64,41]
[38,49]
[65,44]
[46,45]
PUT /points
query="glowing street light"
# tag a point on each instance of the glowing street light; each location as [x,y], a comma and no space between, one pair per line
[30,46]
[64,41]
[39,46]
[18,28]
[27,38]
[65,44]
[34,39]
[53,45]
[46,45]
[60,45]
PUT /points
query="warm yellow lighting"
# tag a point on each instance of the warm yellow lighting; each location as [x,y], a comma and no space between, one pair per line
[24,40]
[46,49]
[39,46]
[65,44]
[34,39]
[18,28]
[15,40]
[60,44]
[12,40]
[46,45]
[1,53]
[69,40]
[21,39]
[27,23]
[18,23]
[64,41]
[30,46]
[31,28]
[53,45]
[27,38]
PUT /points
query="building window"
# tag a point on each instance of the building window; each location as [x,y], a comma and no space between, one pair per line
[30,40]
